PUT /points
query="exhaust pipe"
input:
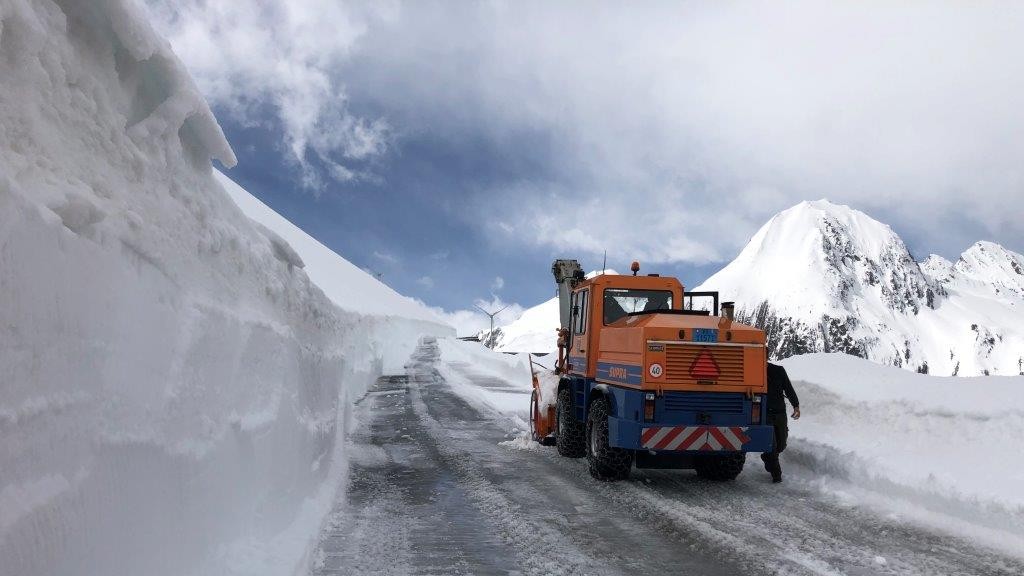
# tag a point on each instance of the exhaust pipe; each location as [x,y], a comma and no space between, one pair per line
[729,310]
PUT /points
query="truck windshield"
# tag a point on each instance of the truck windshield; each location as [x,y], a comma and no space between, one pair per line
[618,302]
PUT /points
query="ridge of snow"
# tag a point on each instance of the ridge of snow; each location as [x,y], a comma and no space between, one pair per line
[937,267]
[176,384]
[989,263]
[348,286]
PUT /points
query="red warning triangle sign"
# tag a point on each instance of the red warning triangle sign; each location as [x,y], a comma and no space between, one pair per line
[704,366]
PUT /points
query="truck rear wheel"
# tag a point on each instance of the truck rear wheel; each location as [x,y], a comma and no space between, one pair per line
[720,467]
[606,463]
[570,436]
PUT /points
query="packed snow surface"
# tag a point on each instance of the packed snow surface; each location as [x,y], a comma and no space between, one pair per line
[512,371]
[943,435]
[942,451]
[174,378]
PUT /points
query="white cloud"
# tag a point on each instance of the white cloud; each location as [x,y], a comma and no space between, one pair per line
[385,257]
[675,129]
[498,284]
[671,130]
[468,322]
[426,281]
[248,57]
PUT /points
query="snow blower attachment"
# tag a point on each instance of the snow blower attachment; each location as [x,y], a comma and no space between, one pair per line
[641,380]
[542,404]
[568,274]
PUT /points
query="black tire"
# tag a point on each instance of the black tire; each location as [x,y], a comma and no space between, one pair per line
[606,463]
[721,467]
[569,436]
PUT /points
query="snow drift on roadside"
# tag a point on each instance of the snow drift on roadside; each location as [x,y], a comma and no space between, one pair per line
[955,439]
[942,451]
[508,374]
[173,383]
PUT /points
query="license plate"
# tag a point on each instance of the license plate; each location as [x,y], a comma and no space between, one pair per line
[705,335]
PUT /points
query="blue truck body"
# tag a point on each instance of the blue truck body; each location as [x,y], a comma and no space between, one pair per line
[675,409]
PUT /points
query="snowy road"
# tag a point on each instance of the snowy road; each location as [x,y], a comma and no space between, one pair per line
[433,491]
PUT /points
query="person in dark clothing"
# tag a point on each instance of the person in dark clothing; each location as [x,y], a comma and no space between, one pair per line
[779,388]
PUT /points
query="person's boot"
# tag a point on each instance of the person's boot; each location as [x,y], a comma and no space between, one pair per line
[776,471]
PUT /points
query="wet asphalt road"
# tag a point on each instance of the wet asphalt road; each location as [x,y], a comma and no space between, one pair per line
[432,490]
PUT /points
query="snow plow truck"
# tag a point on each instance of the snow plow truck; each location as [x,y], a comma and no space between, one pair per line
[648,382]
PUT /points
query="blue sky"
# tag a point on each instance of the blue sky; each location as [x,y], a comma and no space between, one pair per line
[457,148]
[412,225]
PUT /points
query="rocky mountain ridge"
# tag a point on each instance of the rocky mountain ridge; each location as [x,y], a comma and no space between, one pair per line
[822,277]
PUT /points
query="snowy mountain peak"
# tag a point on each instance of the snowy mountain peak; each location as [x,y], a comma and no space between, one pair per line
[990,263]
[819,256]
[937,267]
[822,277]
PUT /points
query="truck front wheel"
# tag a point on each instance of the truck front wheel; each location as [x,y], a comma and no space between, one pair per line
[720,467]
[606,463]
[569,438]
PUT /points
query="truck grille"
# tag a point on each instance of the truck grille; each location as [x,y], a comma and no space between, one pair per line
[695,402]
[680,357]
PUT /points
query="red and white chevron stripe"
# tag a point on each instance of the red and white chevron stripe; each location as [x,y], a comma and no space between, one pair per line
[694,438]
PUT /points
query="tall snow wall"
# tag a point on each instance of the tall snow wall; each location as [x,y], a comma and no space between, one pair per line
[173,386]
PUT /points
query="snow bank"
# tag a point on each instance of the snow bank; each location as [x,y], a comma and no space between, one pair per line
[535,331]
[949,446]
[490,380]
[498,383]
[173,383]
[344,283]
[397,320]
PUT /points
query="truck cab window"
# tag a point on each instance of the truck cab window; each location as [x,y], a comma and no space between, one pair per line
[581,310]
[619,302]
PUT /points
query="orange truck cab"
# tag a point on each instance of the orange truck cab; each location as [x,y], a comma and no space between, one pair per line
[646,381]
